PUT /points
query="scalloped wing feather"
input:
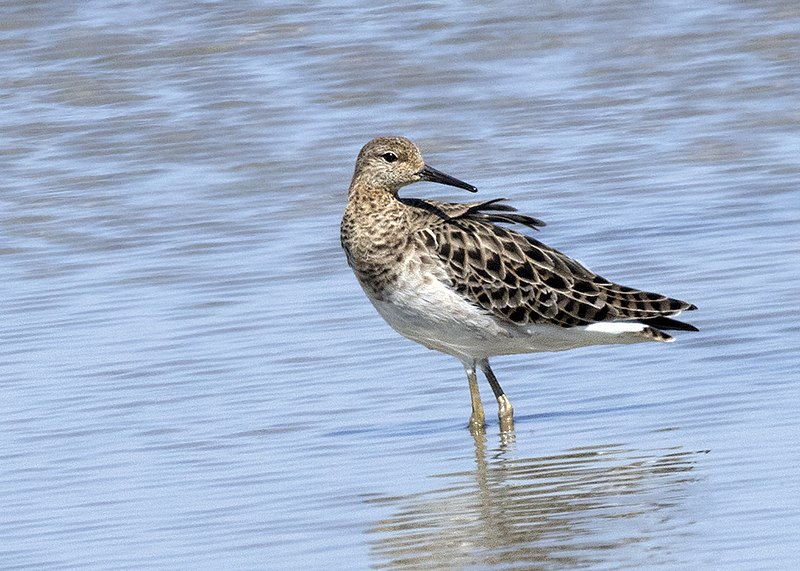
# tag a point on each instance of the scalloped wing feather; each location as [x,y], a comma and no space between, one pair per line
[518,278]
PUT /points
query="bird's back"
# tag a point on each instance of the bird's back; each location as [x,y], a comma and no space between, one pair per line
[517,278]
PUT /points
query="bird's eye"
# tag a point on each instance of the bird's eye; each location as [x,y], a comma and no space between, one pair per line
[389,157]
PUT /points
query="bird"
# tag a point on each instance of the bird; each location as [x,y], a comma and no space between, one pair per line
[469,280]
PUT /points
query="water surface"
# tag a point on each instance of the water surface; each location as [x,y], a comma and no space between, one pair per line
[192,378]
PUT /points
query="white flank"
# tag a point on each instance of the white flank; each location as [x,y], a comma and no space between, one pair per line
[615,327]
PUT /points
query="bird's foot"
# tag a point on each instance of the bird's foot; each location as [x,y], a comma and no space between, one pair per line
[505,414]
[477,422]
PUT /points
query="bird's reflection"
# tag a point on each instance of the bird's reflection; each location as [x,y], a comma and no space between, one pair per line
[564,510]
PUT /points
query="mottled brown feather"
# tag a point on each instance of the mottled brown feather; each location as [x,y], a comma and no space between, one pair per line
[516,277]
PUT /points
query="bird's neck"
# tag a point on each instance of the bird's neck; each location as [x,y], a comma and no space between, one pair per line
[374,232]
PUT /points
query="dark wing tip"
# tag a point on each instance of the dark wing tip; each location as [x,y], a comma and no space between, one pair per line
[663,322]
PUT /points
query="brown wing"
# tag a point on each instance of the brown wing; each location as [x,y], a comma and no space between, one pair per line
[517,277]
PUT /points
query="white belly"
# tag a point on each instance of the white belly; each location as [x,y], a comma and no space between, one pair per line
[424,309]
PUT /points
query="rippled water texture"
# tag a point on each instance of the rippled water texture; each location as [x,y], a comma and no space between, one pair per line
[192,378]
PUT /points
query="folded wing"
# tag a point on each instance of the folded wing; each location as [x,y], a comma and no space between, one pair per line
[516,277]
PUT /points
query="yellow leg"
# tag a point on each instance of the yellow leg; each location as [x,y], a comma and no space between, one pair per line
[505,412]
[477,421]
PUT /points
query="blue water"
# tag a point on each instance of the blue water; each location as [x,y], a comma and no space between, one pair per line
[192,378]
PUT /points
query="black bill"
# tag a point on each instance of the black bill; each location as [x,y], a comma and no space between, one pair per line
[432,175]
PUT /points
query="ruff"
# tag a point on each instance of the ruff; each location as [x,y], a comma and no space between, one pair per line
[449,276]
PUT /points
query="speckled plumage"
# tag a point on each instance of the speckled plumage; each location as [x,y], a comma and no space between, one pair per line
[450,277]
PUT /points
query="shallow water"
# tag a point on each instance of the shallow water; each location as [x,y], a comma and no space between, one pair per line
[192,377]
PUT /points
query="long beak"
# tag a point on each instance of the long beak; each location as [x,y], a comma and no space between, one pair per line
[432,175]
